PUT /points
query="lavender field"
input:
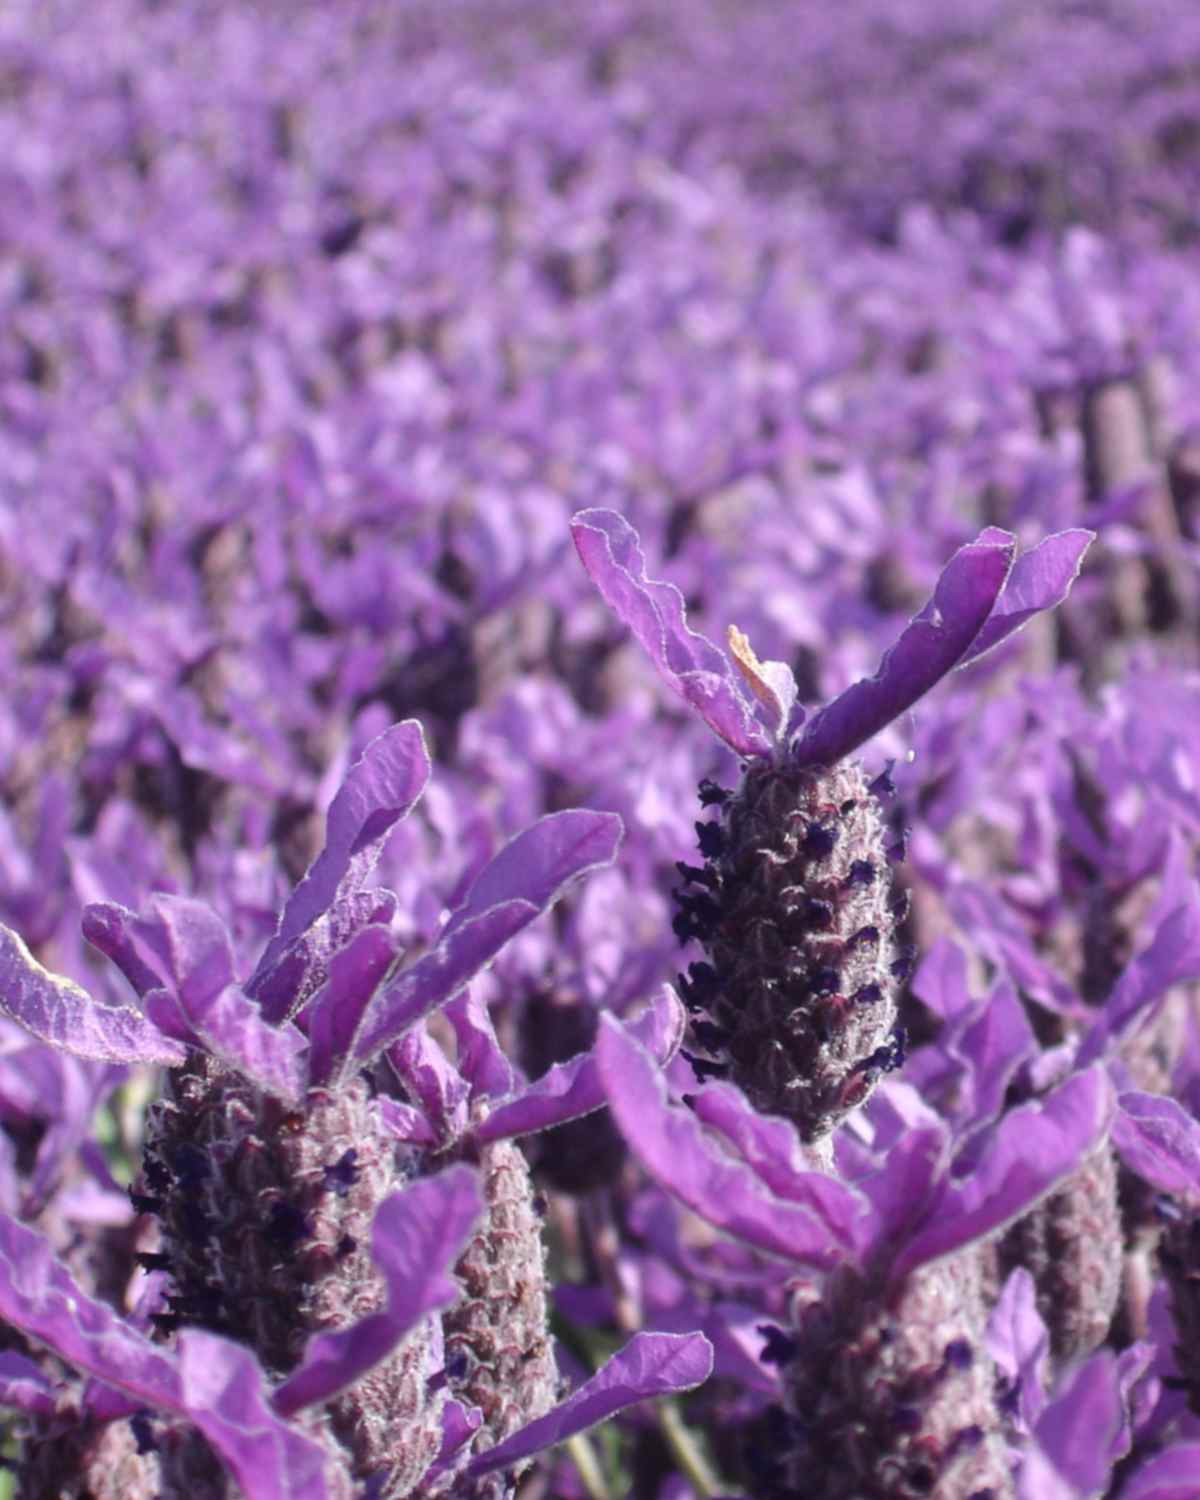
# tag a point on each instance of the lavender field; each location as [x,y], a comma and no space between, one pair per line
[600,749]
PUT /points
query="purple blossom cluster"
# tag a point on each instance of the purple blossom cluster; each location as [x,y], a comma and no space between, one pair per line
[601,750]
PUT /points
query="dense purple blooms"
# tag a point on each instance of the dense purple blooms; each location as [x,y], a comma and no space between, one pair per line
[420,1039]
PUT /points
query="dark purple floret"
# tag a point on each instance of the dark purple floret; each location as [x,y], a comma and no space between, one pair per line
[820,838]
[779,1347]
[816,915]
[141,1426]
[902,964]
[862,872]
[712,795]
[190,1165]
[824,980]
[711,839]
[286,1225]
[703,1068]
[344,1173]
[710,1036]
[698,987]
[965,1439]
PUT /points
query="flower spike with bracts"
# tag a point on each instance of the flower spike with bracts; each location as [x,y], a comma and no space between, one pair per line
[886,1383]
[796,999]
[331,1190]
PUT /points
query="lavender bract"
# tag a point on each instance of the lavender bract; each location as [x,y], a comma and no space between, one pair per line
[798,992]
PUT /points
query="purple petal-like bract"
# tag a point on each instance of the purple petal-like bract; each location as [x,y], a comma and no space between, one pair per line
[524,879]
[771,1147]
[1031,1149]
[538,864]
[224,1395]
[1160,1141]
[406,1122]
[23,1386]
[1172,956]
[1166,1476]
[39,1296]
[654,612]
[1040,580]
[1080,1428]
[355,973]
[380,790]
[574,1088]
[56,1010]
[478,1055]
[904,1180]
[650,1364]
[462,951]
[231,1027]
[932,644]
[110,929]
[433,1081]
[675,1149]
[1019,1342]
[193,946]
[416,1238]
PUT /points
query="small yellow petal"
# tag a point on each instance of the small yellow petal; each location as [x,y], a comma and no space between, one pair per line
[751,668]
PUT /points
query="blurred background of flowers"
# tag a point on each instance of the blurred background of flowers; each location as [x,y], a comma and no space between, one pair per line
[318,323]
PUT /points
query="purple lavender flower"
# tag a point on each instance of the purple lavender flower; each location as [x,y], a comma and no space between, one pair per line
[888,1388]
[281,1166]
[797,998]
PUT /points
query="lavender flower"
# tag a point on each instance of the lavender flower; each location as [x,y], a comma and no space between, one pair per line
[887,1385]
[282,1174]
[792,905]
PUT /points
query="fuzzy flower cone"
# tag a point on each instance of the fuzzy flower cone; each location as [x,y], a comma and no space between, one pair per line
[888,1387]
[796,1000]
[345,1222]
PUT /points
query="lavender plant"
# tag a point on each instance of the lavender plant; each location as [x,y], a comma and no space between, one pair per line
[316,332]
[308,1217]
[797,996]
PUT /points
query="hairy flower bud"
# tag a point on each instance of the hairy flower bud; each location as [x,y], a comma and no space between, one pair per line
[498,1352]
[266,1219]
[891,1396]
[1073,1247]
[793,905]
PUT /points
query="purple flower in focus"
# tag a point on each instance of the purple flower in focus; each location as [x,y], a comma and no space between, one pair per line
[307,1164]
[888,1385]
[797,998]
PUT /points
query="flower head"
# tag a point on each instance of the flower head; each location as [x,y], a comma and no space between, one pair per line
[312,1161]
[797,999]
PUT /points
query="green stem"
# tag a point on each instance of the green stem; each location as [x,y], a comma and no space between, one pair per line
[584,1457]
[686,1452]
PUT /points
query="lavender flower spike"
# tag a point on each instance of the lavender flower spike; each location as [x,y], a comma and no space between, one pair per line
[796,1000]
[887,1385]
[293,1213]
